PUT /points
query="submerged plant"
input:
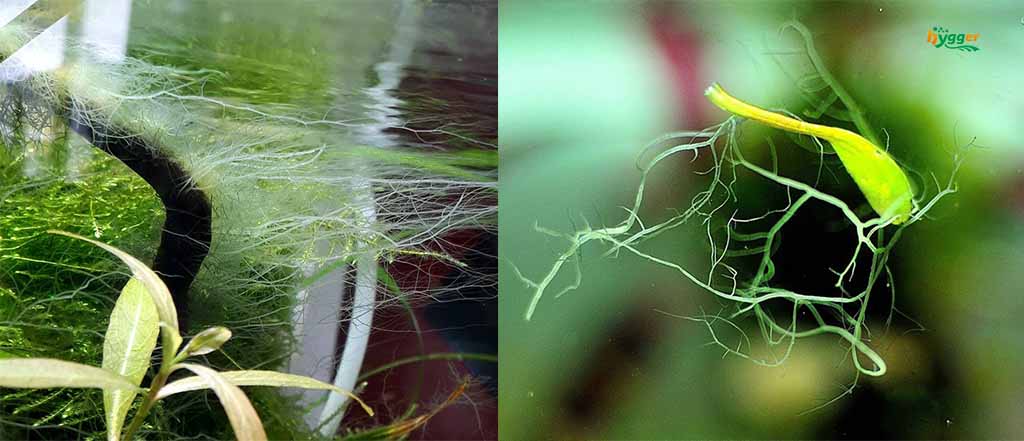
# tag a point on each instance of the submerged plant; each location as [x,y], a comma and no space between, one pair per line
[841,311]
[882,181]
[144,310]
[291,194]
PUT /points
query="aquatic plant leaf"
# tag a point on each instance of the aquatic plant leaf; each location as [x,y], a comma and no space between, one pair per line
[258,378]
[154,286]
[127,348]
[881,180]
[244,420]
[207,341]
[41,373]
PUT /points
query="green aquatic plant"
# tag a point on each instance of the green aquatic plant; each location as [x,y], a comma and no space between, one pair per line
[882,181]
[750,295]
[57,292]
[288,185]
[143,311]
[842,310]
[404,426]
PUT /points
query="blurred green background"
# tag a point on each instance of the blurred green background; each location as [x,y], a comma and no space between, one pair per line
[585,85]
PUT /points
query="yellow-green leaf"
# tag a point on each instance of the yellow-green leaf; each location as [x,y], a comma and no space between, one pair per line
[40,373]
[244,420]
[127,349]
[207,341]
[880,178]
[154,286]
[259,378]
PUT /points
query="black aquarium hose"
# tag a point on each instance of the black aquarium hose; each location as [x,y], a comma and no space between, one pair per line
[185,239]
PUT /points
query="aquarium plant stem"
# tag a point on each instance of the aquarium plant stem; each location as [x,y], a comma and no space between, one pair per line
[147,405]
[856,113]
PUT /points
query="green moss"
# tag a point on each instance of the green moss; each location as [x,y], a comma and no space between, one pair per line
[55,295]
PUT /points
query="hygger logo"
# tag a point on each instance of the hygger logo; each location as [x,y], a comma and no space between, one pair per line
[941,37]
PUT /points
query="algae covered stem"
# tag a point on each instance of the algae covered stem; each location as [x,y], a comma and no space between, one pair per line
[186,235]
[185,239]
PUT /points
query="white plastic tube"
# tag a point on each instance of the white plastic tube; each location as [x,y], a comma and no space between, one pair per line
[389,72]
[359,327]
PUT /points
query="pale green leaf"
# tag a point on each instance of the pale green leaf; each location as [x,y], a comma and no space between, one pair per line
[127,349]
[244,420]
[259,378]
[207,341]
[40,373]
[154,286]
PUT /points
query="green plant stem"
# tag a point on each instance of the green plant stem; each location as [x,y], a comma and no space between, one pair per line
[859,118]
[147,404]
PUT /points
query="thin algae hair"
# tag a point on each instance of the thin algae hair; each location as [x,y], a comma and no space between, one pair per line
[287,190]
